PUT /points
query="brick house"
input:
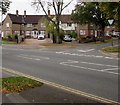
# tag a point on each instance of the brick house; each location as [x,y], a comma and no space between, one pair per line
[89,30]
[30,26]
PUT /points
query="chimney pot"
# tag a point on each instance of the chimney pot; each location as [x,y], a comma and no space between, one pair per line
[16,12]
[25,13]
[48,12]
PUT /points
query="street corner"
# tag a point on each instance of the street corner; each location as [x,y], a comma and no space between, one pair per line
[6,74]
[115,55]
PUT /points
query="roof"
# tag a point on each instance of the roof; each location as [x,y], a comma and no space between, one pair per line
[33,19]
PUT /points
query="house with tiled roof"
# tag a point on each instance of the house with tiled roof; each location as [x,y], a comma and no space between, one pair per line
[30,26]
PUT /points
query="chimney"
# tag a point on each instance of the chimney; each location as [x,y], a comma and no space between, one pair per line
[24,13]
[16,12]
[48,12]
[73,11]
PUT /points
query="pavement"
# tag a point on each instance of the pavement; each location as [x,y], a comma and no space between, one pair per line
[44,94]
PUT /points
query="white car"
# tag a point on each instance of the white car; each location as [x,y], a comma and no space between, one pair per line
[117,34]
[41,37]
[67,38]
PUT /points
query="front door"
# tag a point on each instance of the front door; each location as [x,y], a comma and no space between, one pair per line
[35,34]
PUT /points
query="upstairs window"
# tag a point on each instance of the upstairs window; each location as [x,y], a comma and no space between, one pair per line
[82,32]
[29,25]
[42,25]
[7,25]
[69,24]
[42,32]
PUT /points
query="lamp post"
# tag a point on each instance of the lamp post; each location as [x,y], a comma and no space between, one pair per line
[111,22]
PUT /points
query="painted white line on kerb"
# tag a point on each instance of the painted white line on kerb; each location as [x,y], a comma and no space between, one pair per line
[91,96]
[73,62]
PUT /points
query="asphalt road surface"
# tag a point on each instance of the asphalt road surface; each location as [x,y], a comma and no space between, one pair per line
[83,68]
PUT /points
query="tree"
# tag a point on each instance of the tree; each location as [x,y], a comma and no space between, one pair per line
[111,10]
[4,5]
[58,7]
[90,13]
[51,29]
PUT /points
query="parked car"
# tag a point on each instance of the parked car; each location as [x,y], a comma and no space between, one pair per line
[116,34]
[67,38]
[41,37]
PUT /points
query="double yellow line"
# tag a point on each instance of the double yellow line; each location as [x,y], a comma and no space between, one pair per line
[94,97]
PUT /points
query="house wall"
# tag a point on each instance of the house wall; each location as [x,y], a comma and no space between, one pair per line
[65,27]
[7,26]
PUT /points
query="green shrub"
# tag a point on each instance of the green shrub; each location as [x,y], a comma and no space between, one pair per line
[83,38]
[89,37]
[9,36]
[16,35]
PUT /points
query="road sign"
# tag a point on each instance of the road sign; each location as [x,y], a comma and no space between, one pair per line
[110,21]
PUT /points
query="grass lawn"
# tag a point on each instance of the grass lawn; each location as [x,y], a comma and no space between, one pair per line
[114,49]
[7,42]
[17,84]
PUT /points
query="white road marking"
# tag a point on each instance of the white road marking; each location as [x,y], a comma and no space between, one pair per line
[99,64]
[33,57]
[41,57]
[86,50]
[27,57]
[68,63]
[111,69]
[85,55]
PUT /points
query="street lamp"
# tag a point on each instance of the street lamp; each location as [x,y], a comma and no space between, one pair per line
[111,22]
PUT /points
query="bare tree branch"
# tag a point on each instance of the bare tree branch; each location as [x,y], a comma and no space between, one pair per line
[66,5]
[54,7]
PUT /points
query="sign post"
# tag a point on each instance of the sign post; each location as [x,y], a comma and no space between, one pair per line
[111,22]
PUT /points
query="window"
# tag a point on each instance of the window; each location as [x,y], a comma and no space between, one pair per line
[18,32]
[7,32]
[82,32]
[42,25]
[107,33]
[42,32]
[28,33]
[69,24]
[7,25]
[91,32]
[108,26]
[29,25]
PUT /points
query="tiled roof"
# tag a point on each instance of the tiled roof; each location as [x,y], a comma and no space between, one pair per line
[66,19]
[33,19]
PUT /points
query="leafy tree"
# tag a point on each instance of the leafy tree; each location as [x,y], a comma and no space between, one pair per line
[72,33]
[58,7]
[111,10]
[51,29]
[4,5]
[90,13]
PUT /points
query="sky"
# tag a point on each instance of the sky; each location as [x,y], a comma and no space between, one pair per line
[22,5]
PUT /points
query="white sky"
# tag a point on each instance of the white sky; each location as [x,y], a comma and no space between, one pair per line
[22,5]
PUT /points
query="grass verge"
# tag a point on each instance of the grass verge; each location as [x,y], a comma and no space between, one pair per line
[68,44]
[114,49]
[17,84]
[106,41]
[7,42]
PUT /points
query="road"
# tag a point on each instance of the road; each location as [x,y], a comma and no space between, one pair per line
[83,68]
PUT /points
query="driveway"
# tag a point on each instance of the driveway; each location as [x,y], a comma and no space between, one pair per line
[36,41]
